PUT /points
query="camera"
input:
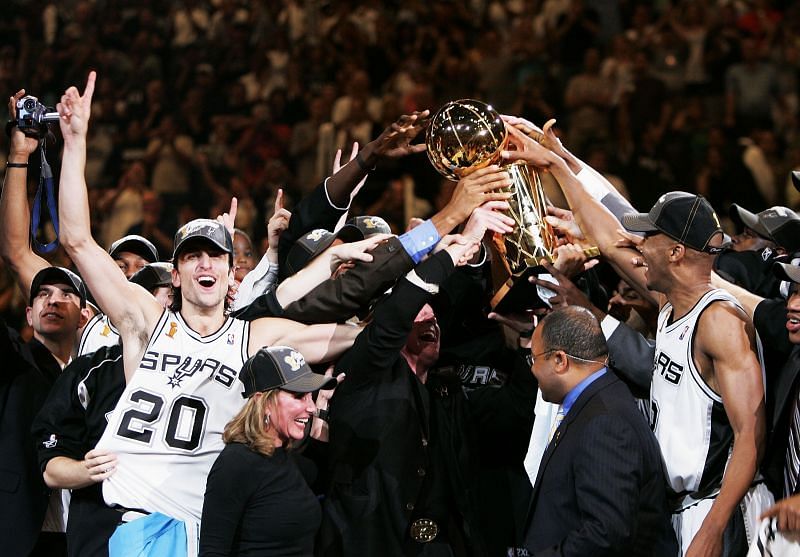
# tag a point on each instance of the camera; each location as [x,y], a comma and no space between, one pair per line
[33,116]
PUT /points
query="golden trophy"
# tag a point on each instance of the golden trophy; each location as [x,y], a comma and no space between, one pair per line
[466,135]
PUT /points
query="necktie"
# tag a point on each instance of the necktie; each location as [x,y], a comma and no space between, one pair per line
[791,469]
[556,423]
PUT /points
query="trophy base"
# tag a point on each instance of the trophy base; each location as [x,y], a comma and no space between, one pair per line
[517,294]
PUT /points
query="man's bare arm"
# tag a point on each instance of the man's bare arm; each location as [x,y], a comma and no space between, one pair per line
[597,222]
[317,343]
[131,309]
[15,214]
[726,336]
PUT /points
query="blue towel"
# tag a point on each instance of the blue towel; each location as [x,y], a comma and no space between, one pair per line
[154,535]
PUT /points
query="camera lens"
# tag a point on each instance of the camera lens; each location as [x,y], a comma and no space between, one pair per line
[30,104]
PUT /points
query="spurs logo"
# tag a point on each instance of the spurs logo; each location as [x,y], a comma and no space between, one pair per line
[173,328]
[295,360]
[369,223]
[106,330]
[194,226]
[315,235]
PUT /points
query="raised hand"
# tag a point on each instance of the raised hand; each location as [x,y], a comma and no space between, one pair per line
[75,109]
[228,219]
[571,260]
[278,222]
[395,141]
[566,293]
[21,145]
[488,217]
[478,188]
[528,150]
[460,248]
[355,251]
[564,224]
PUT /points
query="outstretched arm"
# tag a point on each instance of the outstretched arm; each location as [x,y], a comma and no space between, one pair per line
[597,222]
[132,309]
[15,215]
[318,343]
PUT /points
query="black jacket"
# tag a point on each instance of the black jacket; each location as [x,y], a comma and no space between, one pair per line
[27,372]
[387,428]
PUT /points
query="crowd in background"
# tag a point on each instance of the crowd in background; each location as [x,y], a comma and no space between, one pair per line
[198,100]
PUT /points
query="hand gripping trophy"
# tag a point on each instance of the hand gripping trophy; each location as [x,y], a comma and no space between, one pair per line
[466,135]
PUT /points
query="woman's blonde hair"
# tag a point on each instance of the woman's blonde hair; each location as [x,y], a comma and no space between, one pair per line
[248,425]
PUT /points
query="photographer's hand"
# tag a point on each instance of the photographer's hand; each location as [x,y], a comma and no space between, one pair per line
[75,110]
[21,145]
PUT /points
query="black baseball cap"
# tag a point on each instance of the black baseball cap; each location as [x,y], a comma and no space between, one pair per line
[203,229]
[796,179]
[281,367]
[783,226]
[684,217]
[359,228]
[742,218]
[307,248]
[134,243]
[153,275]
[57,275]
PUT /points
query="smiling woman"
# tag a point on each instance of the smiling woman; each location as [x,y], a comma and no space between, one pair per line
[257,502]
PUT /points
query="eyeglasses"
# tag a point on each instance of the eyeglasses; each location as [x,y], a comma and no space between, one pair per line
[534,356]
[568,355]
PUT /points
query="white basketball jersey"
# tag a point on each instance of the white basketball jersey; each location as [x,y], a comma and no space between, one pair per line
[98,333]
[167,428]
[686,415]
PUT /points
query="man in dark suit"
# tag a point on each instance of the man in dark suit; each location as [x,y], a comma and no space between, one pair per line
[600,487]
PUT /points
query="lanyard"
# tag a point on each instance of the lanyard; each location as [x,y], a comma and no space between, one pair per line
[44,193]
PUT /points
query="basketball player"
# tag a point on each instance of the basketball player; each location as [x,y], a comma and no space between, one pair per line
[707,393]
[181,364]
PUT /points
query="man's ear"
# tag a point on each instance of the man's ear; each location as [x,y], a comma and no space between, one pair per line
[176,278]
[560,361]
[29,316]
[86,315]
[677,252]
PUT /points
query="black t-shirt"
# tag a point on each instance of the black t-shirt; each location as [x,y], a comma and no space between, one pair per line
[257,505]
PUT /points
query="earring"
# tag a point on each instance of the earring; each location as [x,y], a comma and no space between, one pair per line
[266,420]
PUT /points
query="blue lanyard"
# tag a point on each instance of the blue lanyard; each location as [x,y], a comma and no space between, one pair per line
[46,191]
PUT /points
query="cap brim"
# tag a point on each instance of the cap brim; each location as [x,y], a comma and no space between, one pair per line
[785,271]
[137,247]
[54,275]
[744,218]
[638,222]
[350,233]
[309,382]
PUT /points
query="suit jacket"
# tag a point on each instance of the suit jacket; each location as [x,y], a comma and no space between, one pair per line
[631,355]
[26,374]
[600,488]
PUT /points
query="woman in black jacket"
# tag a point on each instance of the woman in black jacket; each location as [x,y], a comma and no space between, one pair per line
[257,502]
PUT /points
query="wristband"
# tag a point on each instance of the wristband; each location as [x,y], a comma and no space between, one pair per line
[322,414]
[363,164]
[16,165]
